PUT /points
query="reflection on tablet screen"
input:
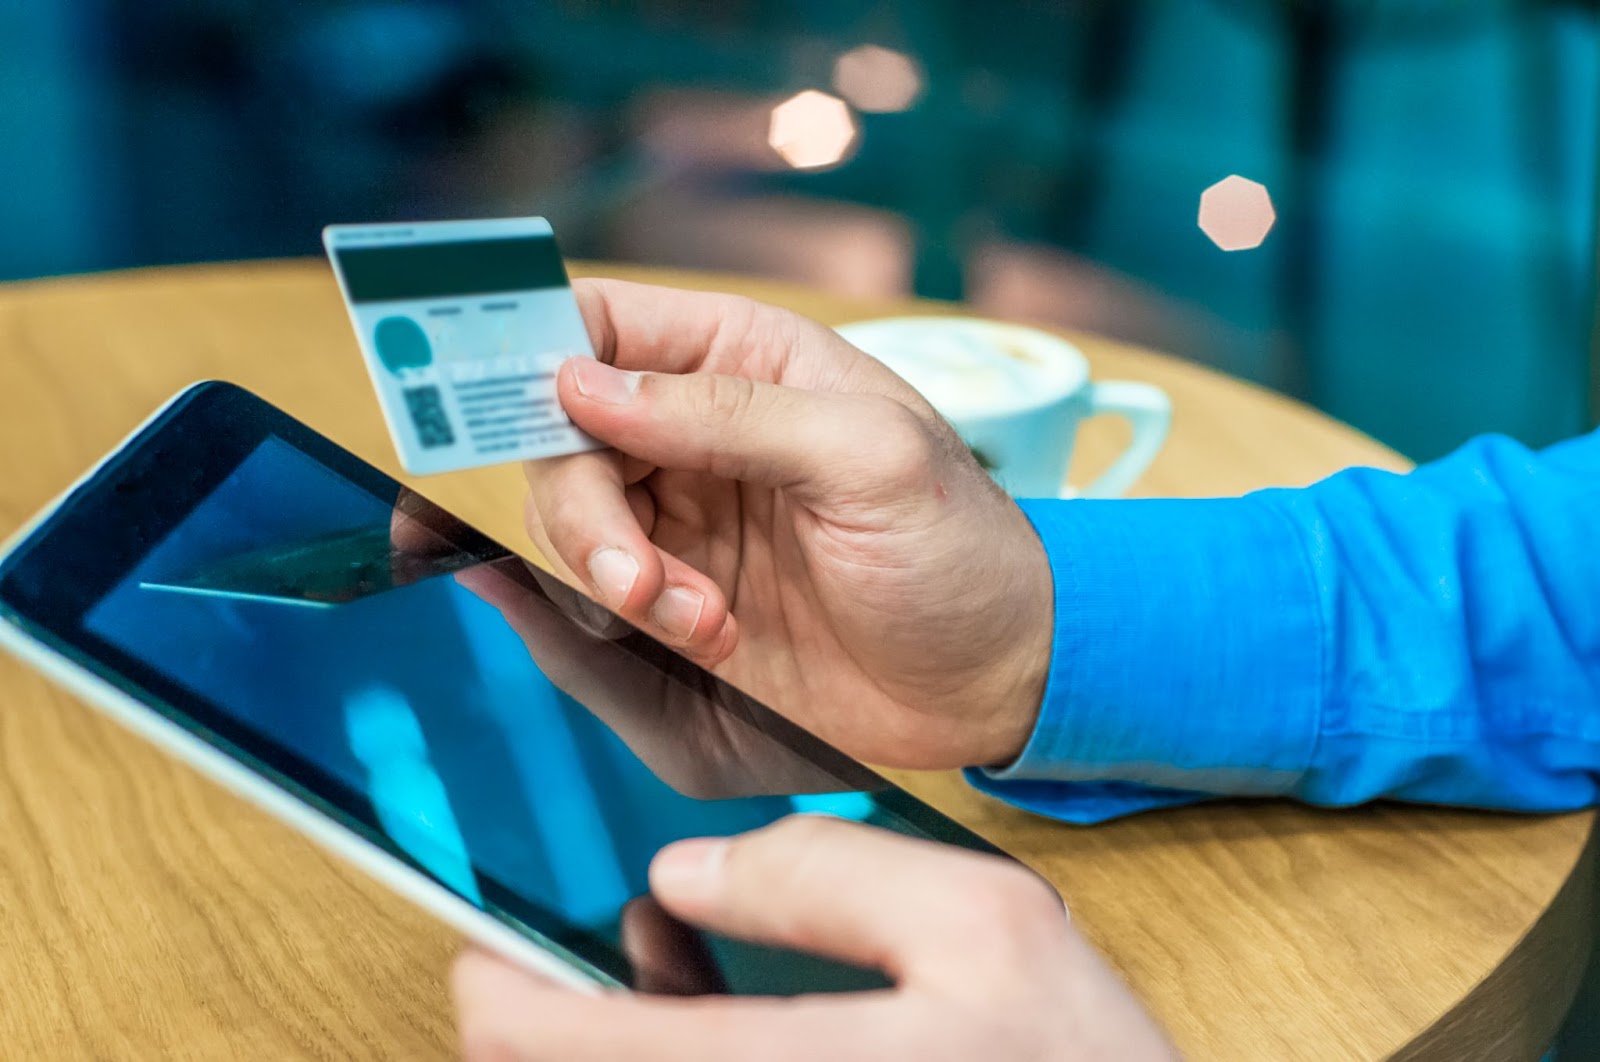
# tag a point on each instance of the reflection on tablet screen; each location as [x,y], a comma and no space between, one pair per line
[497,743]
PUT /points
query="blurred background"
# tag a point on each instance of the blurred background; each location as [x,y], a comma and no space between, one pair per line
[1412,246]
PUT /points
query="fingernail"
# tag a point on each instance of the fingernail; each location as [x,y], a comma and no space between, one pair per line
[602,383]
[690,867]
[613,572]
[678,610]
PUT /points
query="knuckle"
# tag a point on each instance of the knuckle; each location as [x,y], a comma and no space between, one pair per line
[567,526]
[753,332]
[743,313]
[775,332]
[779,860]
[722,399]
[532,516]
[738,319]
[552,521]
[558,514]
[547,476]
[905,450]
[533,522]
[801,830]
[1017,907]
[721,411]
[548,552]
[793,842]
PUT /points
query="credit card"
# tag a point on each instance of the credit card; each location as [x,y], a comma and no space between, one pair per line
[463,325]
[331,569]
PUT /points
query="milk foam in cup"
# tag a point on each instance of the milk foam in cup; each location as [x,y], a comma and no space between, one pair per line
[1016,396]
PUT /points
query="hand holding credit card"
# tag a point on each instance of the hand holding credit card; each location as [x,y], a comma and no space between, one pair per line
[463,325]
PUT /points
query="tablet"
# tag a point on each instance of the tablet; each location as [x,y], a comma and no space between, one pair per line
[489,743]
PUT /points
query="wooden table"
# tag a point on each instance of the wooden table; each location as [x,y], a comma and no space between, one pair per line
[144,913]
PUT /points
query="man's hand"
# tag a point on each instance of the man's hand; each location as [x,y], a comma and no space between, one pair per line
[786,510]
[984,960]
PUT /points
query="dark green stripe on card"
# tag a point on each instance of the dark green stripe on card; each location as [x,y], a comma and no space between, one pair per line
[451,270]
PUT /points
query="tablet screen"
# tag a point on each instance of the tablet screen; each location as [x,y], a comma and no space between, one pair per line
[518,744]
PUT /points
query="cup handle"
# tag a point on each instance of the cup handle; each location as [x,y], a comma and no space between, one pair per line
[1149,410]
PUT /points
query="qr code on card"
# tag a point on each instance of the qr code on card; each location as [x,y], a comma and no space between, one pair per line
[426,406]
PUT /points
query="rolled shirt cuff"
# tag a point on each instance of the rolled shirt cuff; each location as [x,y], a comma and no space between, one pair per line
[1187,659]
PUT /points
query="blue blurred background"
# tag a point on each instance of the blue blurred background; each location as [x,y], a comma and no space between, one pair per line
[1432,163]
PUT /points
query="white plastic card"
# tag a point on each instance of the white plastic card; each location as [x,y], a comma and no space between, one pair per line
[463,325]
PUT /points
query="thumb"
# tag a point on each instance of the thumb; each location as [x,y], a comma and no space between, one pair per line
[821,444]
[830,887]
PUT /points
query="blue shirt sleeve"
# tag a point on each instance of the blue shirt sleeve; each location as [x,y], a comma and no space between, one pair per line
[1430,637]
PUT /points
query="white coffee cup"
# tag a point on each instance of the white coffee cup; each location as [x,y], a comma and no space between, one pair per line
[1016,395]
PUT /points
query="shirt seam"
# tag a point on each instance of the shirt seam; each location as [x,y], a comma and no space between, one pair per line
[1308,577]
[1545,719]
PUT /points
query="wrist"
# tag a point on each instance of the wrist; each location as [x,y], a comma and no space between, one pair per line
[1024,674]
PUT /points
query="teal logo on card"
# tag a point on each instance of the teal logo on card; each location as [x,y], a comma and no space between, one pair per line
[401,344]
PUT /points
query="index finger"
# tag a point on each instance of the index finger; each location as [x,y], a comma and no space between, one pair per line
[642,326]
[869,896]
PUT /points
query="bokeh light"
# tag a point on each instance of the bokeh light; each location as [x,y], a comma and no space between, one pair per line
[878,80]
[1237,213]
[812,129]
